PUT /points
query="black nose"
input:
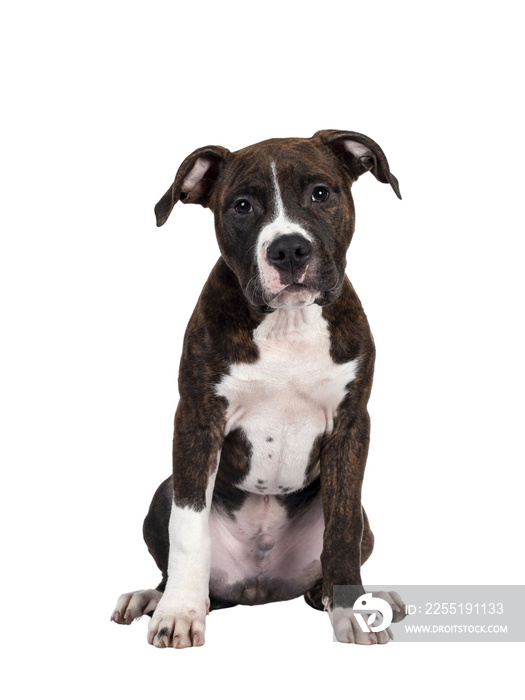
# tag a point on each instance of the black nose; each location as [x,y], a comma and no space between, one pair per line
[289,253]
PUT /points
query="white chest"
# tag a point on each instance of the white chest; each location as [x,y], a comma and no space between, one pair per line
[288,398]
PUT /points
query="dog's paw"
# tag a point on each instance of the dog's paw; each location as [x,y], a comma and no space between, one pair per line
[347,628]
[348,631]
[131,606]
[177,628]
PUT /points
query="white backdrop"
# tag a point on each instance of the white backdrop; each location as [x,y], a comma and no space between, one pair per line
[102,101]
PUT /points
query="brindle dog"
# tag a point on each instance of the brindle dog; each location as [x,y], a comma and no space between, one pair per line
[271,431]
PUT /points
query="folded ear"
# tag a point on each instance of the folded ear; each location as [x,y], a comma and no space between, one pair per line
[194,180]
[359,154]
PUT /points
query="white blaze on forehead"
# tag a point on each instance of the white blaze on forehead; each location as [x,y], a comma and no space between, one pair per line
[277,191]
[281,225]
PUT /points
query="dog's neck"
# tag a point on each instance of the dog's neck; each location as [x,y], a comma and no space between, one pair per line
[283,321]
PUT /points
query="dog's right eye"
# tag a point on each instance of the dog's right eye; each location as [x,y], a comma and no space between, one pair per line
[320,194]
[243,206]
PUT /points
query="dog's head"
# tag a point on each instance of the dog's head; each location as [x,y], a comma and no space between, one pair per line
[283,208]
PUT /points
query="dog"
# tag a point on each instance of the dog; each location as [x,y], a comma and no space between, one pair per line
[271,432]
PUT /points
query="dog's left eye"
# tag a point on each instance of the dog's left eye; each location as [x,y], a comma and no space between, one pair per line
[320,194]
[243,206]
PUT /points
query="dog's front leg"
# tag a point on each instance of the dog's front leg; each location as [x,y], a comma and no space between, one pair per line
[180,618]
[343,462]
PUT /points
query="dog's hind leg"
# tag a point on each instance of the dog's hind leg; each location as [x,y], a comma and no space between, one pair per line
[314,596]
[367,543]
[156,528]
[131,606]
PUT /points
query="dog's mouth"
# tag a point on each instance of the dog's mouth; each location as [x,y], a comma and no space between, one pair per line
[294,296]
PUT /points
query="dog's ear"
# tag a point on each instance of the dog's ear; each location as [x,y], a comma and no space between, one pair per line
[194,180]
[359,154]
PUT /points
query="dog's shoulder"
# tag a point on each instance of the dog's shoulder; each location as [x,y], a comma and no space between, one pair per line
[221,327]
[350,334]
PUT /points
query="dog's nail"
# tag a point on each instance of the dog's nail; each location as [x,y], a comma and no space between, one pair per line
[115,616]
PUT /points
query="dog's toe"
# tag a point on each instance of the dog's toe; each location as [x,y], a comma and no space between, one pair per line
[131,606]
[177,630]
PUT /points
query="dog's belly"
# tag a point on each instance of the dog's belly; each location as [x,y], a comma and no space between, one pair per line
[285,400]
[261,555]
